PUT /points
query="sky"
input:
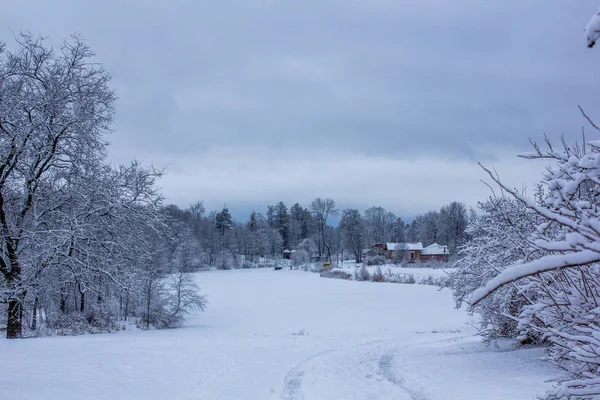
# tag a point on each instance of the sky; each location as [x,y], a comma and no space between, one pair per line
[386,102]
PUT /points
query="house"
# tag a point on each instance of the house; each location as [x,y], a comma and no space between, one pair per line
[435,252]
[399,251]
[411,252]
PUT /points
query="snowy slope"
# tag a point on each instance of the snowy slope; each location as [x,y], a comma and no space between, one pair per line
[282,335]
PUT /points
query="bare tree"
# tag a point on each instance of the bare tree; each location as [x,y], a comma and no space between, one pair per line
[322,209]
[352,227]
[379,224]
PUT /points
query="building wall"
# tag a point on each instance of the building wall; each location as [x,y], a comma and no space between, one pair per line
[437,257]
[407,255]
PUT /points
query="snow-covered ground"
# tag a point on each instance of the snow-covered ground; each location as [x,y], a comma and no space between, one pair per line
[283,335]
[416,273]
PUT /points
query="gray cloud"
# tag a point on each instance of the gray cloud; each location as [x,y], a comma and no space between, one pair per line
[431,82]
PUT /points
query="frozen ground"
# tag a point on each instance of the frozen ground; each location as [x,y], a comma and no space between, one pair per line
[283,335]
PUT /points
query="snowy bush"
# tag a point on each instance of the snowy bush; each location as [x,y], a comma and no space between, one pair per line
[408,279]
[171,301]
[73,323]
[375,260]
[335,274]
[225,260]
[304,252]
[558,277]
[363,274]
[499,238]
[378,275]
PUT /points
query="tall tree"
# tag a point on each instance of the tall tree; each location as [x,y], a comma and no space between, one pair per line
[54,109]
[300,224]
[223,221]
[412,232]
[322,209]
[379,224]
[281,223]
[352,227]
[428,227]
[400,233]
[223,225]
[452,225]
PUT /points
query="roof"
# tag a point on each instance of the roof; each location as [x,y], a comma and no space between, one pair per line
[404,246]
[435,249]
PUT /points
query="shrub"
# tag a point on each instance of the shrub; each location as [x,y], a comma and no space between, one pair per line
[77,323]
[378,275]
[375,260]
[225,260]
[336,274]
[363,274]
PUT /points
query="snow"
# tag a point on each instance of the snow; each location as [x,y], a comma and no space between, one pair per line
[434,249]
[404,246]
[544,264]
[592,30]
[283,335]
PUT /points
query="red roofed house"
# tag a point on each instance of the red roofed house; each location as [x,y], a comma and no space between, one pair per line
[412,252]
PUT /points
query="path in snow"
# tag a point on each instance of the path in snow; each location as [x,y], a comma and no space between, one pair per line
[282,335]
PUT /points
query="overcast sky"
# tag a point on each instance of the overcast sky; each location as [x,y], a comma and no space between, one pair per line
[381,102]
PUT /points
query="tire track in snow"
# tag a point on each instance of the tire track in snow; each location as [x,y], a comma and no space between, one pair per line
[292,386]
[292,383]
[386,369]
[389,372]
[383,367]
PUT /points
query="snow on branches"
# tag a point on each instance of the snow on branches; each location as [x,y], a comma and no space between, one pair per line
[82,243]
[568,201]
[542,269]
[592,30]
[499,237]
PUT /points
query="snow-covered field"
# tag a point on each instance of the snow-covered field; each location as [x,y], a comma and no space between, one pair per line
[283,335]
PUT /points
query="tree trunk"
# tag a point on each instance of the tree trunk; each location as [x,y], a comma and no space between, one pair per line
[34,314]
[148,300]
[63,304]
[126,306]
[81,299]
[328,253]
[15,323]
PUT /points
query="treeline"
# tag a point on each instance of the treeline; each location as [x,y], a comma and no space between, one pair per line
[85,245]
[217,240]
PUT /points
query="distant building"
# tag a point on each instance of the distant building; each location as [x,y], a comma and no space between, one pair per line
[287,254]
[412,252]
[435,252]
